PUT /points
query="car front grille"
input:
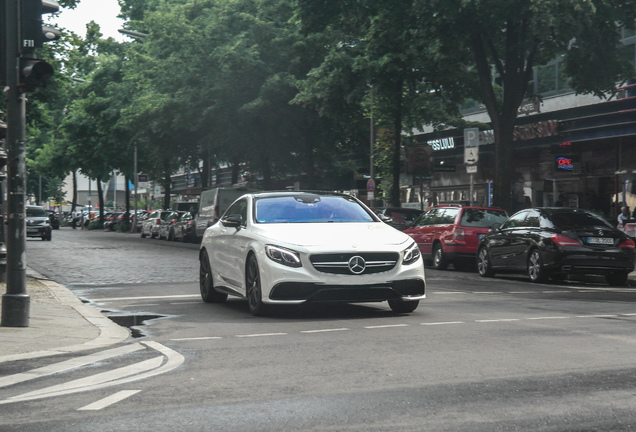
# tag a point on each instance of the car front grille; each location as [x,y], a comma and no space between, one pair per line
[355,263]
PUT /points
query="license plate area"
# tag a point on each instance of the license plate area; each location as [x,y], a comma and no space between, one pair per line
[600,240]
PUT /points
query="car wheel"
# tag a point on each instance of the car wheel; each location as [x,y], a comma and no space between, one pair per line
[143,234]
[484,268]
[535,267]
[206,283]
[171,235]
[617,279]
[253,287]
[439,258]
[401,306]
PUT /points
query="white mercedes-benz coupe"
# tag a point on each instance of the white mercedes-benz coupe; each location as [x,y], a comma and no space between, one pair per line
[294,247]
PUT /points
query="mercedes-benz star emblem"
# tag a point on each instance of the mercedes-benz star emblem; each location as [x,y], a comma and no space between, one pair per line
[600,232]
[357,264]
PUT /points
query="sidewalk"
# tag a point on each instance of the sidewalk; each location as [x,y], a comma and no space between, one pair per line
[59,323]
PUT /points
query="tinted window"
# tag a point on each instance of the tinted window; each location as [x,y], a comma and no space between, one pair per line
[238,208]
[533,220]
[577,219]
[310,208]
[515,221]
[35,211]
[482,218]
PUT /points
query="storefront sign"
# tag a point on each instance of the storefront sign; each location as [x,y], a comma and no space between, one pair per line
[536,130]
[564,163]
[442,143]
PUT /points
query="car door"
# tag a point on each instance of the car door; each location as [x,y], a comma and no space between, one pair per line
[230,247]
[445,227]
[507,245]
[423,230]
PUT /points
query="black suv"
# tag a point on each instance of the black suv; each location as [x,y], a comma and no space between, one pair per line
[38,223]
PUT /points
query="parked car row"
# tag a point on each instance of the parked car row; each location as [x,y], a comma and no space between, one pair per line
[170,225]
[543,242]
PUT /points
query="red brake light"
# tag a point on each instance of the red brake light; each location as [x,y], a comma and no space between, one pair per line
[561,240]
[628,244]
[158,221]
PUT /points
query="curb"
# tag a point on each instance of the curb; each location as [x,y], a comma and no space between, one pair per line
[109,332]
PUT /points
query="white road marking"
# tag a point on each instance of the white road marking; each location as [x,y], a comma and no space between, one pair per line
[596,316]
[498,320]
[135,372]
[324,330]
[190,302]
[108,401]
[109,299]
[443,323]
[69,364]
[386,326]
[197,338]
[548,318]
[260,335]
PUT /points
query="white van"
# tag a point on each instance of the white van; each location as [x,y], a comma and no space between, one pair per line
[212,205]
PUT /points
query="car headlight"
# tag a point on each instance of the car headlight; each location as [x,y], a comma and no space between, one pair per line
[283,256]
[411,254]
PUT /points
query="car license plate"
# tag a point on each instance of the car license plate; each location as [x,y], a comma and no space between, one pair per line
[600,240]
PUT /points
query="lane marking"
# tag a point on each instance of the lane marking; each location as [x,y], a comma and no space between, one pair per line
[260,335]
[324,330]
[125,375]
[444,323]
[498,320]
[69,364]
[190,302]
[387,326]
[548,318]
[108,401]
[197,338]
[146,298]
[596,316]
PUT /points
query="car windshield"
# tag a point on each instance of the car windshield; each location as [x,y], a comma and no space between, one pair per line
[36,211]
[482,218]
[310,208]
[577,220]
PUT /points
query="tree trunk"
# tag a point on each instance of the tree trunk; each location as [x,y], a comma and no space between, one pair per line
[127,214]
[74,203]
[166,185]
[397,147]
[100,199]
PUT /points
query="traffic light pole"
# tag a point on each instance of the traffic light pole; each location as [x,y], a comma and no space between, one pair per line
[16,302]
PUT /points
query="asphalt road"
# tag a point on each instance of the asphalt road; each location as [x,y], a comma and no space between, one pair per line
[497,354]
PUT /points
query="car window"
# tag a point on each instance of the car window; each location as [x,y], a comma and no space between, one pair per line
[482,218]
[310,208]
[448,216]
[239,208]
[35,211]
[577,219]
[515,221]
[533,220]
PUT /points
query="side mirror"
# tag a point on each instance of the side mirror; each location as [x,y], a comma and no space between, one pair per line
[496,226]
[232,221]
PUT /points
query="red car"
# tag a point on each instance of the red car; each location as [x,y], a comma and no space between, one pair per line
[450,234]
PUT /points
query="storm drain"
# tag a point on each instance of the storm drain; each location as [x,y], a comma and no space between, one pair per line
[133,322]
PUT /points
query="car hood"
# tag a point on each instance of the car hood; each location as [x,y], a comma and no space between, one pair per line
[335,235]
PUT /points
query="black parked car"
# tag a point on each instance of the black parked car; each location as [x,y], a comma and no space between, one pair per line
[398,217]
[555,242]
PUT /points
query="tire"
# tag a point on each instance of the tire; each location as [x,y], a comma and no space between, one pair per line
[253,287]
[206,283]
[439,258]
[143,234]
[617,279]
[171,235]
[484,267]
[400,306]
[535,267]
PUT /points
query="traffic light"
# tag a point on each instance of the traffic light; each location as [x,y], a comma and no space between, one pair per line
[33,34]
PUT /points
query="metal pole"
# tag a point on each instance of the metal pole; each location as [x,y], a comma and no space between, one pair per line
[134,225]
[16,302]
